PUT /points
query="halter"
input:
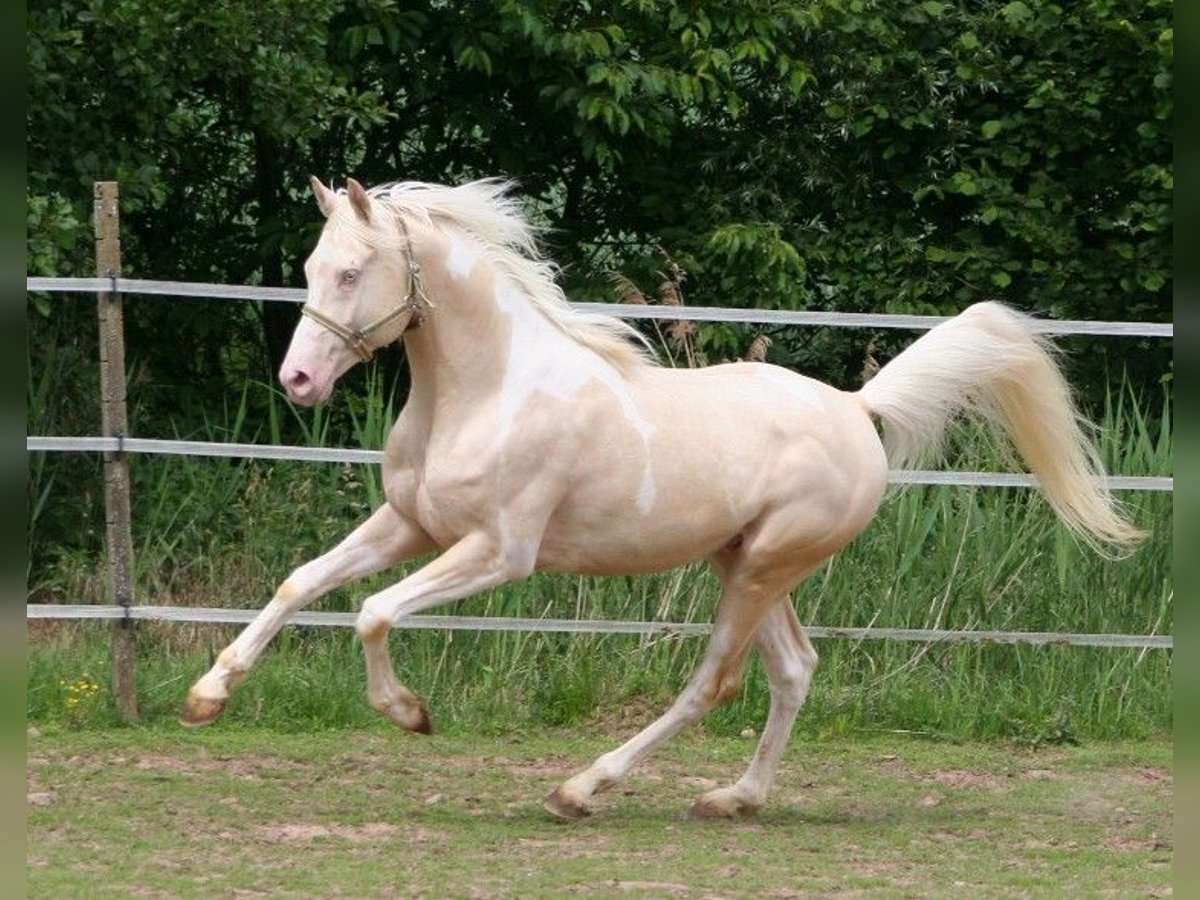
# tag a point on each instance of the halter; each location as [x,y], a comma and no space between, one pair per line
[416,302]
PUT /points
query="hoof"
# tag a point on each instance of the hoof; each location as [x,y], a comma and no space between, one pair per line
[199,711]
[424,723]
[723,805]
[564,807]
[411,715]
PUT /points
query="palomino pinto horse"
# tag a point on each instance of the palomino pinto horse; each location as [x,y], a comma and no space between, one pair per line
[538,438]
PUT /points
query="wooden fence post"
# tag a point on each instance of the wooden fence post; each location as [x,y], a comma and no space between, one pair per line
[114,423]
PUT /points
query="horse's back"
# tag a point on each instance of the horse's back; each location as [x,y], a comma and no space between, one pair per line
[783,432]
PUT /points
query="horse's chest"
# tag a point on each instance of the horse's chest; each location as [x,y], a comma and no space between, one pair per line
[446,509]
[448,502]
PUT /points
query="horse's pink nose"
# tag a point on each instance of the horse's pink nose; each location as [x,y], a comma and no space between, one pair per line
[298,383]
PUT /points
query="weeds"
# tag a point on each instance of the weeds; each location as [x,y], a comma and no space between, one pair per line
[80,699]
[225,533]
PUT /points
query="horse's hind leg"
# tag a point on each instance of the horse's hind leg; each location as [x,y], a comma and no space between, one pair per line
[384,539]
[753,588]
[790,661]
[717,679]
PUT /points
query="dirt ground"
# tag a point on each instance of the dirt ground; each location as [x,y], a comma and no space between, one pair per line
[165,813]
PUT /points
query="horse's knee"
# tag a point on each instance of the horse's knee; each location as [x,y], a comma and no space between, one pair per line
[700,697]
[371,625]
[693,703]
[791,678]
[287,594]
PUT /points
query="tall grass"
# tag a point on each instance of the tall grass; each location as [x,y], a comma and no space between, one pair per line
[226,532]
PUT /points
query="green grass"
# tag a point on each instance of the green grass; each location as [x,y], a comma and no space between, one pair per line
[374,812]
[224,533]
[492,683]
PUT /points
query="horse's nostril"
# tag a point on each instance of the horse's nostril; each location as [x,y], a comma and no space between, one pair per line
[297,381]
[300,378]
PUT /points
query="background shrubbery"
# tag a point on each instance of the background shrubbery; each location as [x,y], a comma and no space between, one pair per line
[834,154]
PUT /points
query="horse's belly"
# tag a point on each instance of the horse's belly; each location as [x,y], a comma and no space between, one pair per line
[620,538]
[618,555]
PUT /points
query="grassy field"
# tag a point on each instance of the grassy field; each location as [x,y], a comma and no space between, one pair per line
[158,812]
[225,533]
[915,770]
[936,558]
[497,684]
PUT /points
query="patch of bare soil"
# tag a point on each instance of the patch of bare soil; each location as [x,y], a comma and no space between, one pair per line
[35,793]
[1042,775]
[557,765]
[240,767]
[142,890]
[649,888]
[624,721]
[1152,844]
[574,847]
[1152,775]
[965,779]
[302,832]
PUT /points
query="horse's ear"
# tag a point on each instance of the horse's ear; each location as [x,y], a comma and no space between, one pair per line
[359,199]
[323,194]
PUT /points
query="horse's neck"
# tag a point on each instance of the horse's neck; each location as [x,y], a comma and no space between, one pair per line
[480,318]
[448,362]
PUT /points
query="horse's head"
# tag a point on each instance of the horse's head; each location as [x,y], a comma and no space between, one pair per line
[363,292]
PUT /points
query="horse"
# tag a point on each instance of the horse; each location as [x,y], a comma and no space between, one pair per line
[536,437]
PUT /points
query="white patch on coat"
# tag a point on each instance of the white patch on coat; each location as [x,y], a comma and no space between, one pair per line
[520,552]
[542,360]
[648,492]
[462,258]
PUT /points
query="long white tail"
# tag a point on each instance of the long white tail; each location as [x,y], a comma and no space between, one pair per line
[989,361]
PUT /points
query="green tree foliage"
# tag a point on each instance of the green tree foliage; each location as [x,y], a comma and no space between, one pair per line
[840,154]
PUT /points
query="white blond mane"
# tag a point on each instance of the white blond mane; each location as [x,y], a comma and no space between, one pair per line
[487,211]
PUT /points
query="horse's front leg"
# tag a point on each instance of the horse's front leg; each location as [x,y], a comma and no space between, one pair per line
[384,539]
[475,563]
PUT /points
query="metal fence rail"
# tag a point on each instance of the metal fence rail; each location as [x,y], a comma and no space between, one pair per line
[620,310]
[115,285]
[351,455]
[221,616]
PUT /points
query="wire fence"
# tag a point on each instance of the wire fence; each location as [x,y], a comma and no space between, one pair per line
[38,443]
[824,318]
[224,616]
[121,445]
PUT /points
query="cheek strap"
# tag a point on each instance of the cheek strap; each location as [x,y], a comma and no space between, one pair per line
[415,305]
[357,337]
